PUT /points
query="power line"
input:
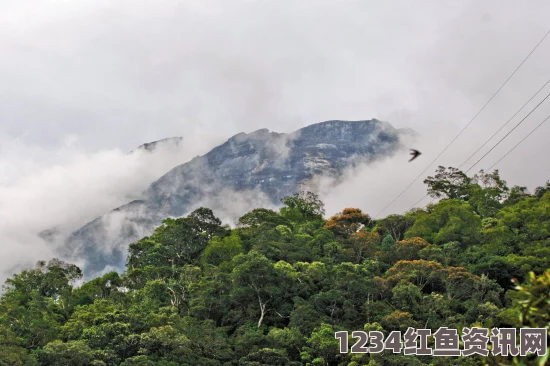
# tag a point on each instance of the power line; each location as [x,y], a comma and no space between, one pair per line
[498,161]
[509,132]
[523,139]
[417,202]
[504,125]
[465,127]
[429,203]
[519,110]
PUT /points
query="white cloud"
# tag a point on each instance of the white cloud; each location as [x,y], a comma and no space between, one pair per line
[72,187]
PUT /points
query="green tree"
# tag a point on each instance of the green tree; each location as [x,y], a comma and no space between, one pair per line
[324,346]
[75,353]
[450,183]
[267,356]
[262,217]
[222,250]
[449,220]
[395,226]
[302,207]
[258,281]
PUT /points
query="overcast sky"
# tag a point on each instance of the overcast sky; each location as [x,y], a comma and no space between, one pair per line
[83,82]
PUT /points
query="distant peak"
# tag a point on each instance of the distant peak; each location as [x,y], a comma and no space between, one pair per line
[151,146]
[260,134]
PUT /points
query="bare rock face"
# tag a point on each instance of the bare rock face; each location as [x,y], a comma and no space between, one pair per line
[260,167]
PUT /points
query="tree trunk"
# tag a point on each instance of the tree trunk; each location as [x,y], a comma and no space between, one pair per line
[262,313]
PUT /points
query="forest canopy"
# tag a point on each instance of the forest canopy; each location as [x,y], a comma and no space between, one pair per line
[274,289]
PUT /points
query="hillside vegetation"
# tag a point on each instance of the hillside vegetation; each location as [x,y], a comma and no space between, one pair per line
[273,290]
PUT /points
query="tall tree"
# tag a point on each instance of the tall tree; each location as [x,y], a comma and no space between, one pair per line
[303,206]
[448,183]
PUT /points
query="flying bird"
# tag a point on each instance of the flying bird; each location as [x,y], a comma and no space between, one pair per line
[414,154]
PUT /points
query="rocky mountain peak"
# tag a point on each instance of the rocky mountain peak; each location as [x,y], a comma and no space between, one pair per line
[260,163]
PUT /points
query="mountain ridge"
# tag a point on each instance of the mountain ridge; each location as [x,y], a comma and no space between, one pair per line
[153,145]
[262,164]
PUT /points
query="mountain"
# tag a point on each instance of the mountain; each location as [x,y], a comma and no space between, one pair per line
[247,171]
[152,146]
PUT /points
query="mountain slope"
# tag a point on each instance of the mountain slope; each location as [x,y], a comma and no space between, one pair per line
[248,170]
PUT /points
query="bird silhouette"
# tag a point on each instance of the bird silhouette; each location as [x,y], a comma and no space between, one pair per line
[414,154]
